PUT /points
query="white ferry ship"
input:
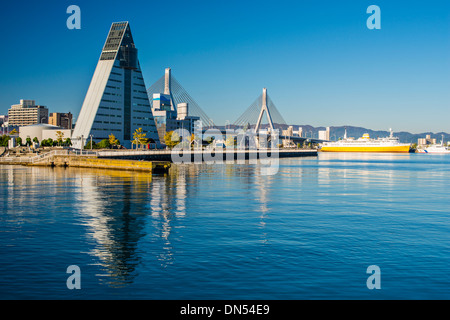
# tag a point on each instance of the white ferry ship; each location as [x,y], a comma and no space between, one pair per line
[367,144]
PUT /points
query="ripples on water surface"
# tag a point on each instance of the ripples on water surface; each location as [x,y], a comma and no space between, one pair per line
[226,232]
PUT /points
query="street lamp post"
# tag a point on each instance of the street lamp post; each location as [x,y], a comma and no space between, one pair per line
[91,141]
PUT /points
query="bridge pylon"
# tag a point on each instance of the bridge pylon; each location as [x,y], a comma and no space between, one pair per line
[264,108]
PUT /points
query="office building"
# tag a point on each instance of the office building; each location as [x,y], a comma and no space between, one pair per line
[63,120]
[117,101]
[27,113]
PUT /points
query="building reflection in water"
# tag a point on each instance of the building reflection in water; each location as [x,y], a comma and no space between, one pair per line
[129,217]
[113,207]
[263,188]
[121,208]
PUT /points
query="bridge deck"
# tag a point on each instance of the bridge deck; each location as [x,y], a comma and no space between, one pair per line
[217,154]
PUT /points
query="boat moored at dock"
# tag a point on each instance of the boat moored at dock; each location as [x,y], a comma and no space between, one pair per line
[435,148]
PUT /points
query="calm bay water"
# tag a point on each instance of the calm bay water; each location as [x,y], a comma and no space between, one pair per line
[227,232]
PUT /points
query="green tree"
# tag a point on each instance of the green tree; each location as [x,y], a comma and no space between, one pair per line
[139,137]
[171,139]
[230,142]
[36,140]
[4,140]
[19,141]
[59,137]
[104,144]
[47,142]
[209,140]
[88,145]
[67,142]
[28,141]
[113,141]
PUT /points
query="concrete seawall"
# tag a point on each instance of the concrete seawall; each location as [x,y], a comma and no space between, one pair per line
[150,160]
[93,162]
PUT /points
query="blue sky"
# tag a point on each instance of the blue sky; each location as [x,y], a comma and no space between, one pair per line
[320,63]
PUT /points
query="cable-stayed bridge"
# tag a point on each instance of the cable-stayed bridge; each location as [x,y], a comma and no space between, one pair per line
[253,116]
[251,119]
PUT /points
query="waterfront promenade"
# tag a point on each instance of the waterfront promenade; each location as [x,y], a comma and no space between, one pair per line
[85,159]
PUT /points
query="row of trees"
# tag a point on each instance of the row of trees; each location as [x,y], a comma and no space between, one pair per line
[53,143]
[172,139]
[139,139]
[111,142]
[60,141]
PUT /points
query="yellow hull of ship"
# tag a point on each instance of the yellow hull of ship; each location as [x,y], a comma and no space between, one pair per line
[392,149]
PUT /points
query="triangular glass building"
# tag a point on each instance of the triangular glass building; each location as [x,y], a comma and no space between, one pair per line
[116,102]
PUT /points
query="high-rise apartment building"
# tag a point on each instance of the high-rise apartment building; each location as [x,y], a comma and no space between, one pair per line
[117,101]
[26,113]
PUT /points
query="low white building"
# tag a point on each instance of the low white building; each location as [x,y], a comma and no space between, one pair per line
[42,131]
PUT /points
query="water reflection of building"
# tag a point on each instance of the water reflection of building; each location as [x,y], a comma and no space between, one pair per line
[122,208]
[113,204]
[263,188]
[127,218]
[169,195]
